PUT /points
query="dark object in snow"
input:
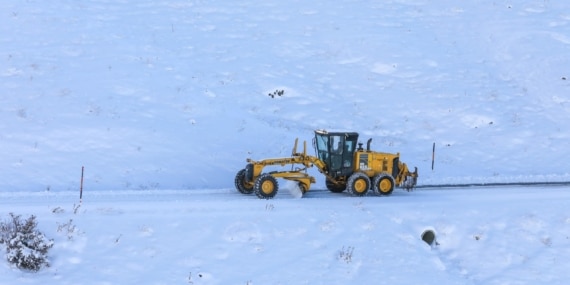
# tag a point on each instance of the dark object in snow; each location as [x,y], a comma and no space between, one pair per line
[276,93]
[429,237]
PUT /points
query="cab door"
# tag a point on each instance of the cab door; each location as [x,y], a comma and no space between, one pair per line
[337,151]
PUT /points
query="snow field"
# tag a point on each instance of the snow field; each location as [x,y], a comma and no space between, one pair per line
[157,95]
[174,95]
[485,236]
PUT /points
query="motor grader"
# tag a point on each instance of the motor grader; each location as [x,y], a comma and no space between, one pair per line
[340,158]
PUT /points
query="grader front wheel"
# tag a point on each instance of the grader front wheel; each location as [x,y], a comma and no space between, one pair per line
[241,185]
[265,186]
[384,184]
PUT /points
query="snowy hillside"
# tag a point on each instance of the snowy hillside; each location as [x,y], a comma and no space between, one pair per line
[174,94]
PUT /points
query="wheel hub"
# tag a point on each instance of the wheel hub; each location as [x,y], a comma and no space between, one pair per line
[360,186]
[267,187]
[385,185]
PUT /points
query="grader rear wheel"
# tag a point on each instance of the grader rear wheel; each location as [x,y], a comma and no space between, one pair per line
[358,184]
[241,186]
[384,184]
[265,186]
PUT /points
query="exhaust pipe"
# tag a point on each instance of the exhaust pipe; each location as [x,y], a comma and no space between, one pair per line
[368,144]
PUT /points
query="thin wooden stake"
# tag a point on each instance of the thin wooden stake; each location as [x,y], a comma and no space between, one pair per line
[432,156]
[81,186]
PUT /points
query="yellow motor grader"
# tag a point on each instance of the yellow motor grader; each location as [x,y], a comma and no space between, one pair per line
[341,158]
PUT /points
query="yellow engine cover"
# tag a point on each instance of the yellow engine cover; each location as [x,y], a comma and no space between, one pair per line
[373,163]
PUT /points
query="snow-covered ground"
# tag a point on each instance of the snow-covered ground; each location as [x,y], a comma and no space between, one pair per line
[162,102]
[174,94]
[485,236]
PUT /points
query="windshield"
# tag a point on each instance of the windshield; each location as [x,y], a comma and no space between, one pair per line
[322,147]
[337,144]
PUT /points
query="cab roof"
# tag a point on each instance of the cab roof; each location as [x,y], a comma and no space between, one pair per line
[335,132]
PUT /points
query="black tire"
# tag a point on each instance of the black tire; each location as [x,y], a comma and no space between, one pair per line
[384,184]
[240,183]
[265,186]
[358,184]
[335,188]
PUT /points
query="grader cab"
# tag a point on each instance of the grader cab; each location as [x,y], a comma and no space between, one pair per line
[343,161]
